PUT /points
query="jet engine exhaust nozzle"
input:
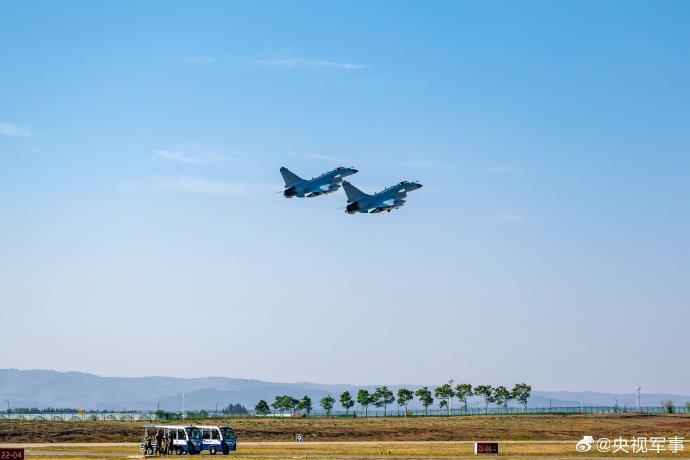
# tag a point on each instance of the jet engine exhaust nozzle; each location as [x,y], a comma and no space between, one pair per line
[290,192]
[352,208]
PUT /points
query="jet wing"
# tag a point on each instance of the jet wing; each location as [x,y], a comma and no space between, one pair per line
[320,192]
[387,205]
[324,189]
[388,208]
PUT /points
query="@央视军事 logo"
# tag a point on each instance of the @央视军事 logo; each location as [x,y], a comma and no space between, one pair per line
[585,444]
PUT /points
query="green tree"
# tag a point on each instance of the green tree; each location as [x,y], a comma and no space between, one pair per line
[404,397]
[304,404]
[165,415]
[198,414]
[262,408]
[327,404]
[486,392]
[284,403]
[462,392]
[279,404]
[364,399]
[346,401]
[502,396]
[425,398]
[382,397]
[669,406]
[445,393]
[290,403]
[521,393]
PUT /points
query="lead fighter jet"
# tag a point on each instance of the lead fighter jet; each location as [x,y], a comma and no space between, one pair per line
[386,200]
[326,183]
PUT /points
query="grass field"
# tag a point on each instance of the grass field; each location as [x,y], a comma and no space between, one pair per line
[499,427]
[392,450]
[532,436]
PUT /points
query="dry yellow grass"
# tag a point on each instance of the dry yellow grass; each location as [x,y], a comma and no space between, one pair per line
[345,450]
[469,428]
[528,436]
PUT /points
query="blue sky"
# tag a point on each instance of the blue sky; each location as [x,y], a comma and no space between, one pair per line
[140,144]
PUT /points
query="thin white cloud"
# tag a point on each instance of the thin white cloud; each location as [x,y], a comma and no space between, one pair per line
[512,217]
[196,185]
[320,157]
[409,163]
[197,59]
[501,170]
[10,129]
[199,185]
[309,63]
[402,163]
[187,155]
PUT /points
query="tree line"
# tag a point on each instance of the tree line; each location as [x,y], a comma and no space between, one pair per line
[382,397]
[36,410]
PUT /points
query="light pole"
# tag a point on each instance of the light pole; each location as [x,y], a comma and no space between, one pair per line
[450,397]
[183,411]
[639,409]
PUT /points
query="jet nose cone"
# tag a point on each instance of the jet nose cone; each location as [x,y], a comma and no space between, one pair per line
[354,171]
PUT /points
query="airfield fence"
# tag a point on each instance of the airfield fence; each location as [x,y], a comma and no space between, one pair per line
[148,416]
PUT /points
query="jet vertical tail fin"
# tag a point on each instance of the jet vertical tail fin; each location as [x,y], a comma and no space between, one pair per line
[352,192]
[289,177]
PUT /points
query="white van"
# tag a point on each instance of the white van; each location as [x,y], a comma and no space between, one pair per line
[186,438]
[218,439]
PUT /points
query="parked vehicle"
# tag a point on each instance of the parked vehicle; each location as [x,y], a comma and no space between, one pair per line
[186,439]
[218,439]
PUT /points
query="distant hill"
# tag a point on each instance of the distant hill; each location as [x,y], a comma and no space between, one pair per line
[45,388]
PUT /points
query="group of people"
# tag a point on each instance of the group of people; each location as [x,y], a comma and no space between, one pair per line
[164,443]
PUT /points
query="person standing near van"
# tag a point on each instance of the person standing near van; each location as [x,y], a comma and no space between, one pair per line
[148,441]
[171,443]
[159,441]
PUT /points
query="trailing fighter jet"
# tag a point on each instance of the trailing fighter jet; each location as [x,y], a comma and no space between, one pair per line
[326,183]
[390,198]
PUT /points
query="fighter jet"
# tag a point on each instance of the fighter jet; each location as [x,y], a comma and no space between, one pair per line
[326,183]
[386,200]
